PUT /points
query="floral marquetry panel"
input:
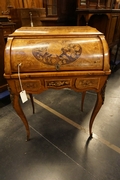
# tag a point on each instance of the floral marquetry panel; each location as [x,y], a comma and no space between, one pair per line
[58,83]
[83,83]
[71,49]
[57,53]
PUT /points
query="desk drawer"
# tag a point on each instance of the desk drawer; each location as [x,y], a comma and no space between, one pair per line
[58,83]
[87,83]
[29,85]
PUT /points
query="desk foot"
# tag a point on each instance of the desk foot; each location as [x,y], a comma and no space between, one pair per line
[28,138]
[91,136]
[19,111]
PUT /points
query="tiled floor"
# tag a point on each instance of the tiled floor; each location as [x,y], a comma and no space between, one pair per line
[58,149]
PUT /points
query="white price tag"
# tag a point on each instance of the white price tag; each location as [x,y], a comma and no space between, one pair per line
[23,96]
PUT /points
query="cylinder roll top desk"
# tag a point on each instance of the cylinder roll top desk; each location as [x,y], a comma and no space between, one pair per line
[39,58]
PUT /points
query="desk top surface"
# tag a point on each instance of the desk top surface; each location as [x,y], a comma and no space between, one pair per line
[55,30]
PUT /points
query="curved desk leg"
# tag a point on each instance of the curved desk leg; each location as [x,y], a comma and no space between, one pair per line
[99,102]
[19,111]
[82,101]
[32,102]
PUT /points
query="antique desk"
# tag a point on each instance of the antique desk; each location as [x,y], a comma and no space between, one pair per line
[39,58]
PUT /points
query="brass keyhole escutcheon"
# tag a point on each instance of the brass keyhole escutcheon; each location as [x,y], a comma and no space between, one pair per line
[57,67]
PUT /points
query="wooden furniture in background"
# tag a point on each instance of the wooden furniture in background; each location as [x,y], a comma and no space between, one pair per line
[6,4]
[106,21]
[98,4]
[59,12]
[52,13]
[25,17]
[3,83]
[104,16]
[40,58]
[6,28]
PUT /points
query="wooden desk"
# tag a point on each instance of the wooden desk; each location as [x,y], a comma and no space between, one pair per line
[56,57]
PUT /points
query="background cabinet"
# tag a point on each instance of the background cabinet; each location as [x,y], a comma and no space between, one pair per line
[104,15]
[97,4]
[62,10]
[25,17]
[2,46]
[44,12]
[6,28]
[106,21]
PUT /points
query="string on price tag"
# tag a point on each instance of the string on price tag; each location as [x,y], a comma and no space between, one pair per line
[23,94]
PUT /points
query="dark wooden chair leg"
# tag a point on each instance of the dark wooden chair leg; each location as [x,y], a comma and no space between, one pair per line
[82,101]
[32,102]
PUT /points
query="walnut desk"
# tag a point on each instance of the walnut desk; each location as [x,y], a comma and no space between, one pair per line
[56,57]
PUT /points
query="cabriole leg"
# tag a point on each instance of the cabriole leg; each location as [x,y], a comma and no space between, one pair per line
[19,111]
[99,102]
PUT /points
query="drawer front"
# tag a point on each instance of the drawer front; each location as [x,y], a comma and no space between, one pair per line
[87,83]
[56,54]
[29,85]
[58,83]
